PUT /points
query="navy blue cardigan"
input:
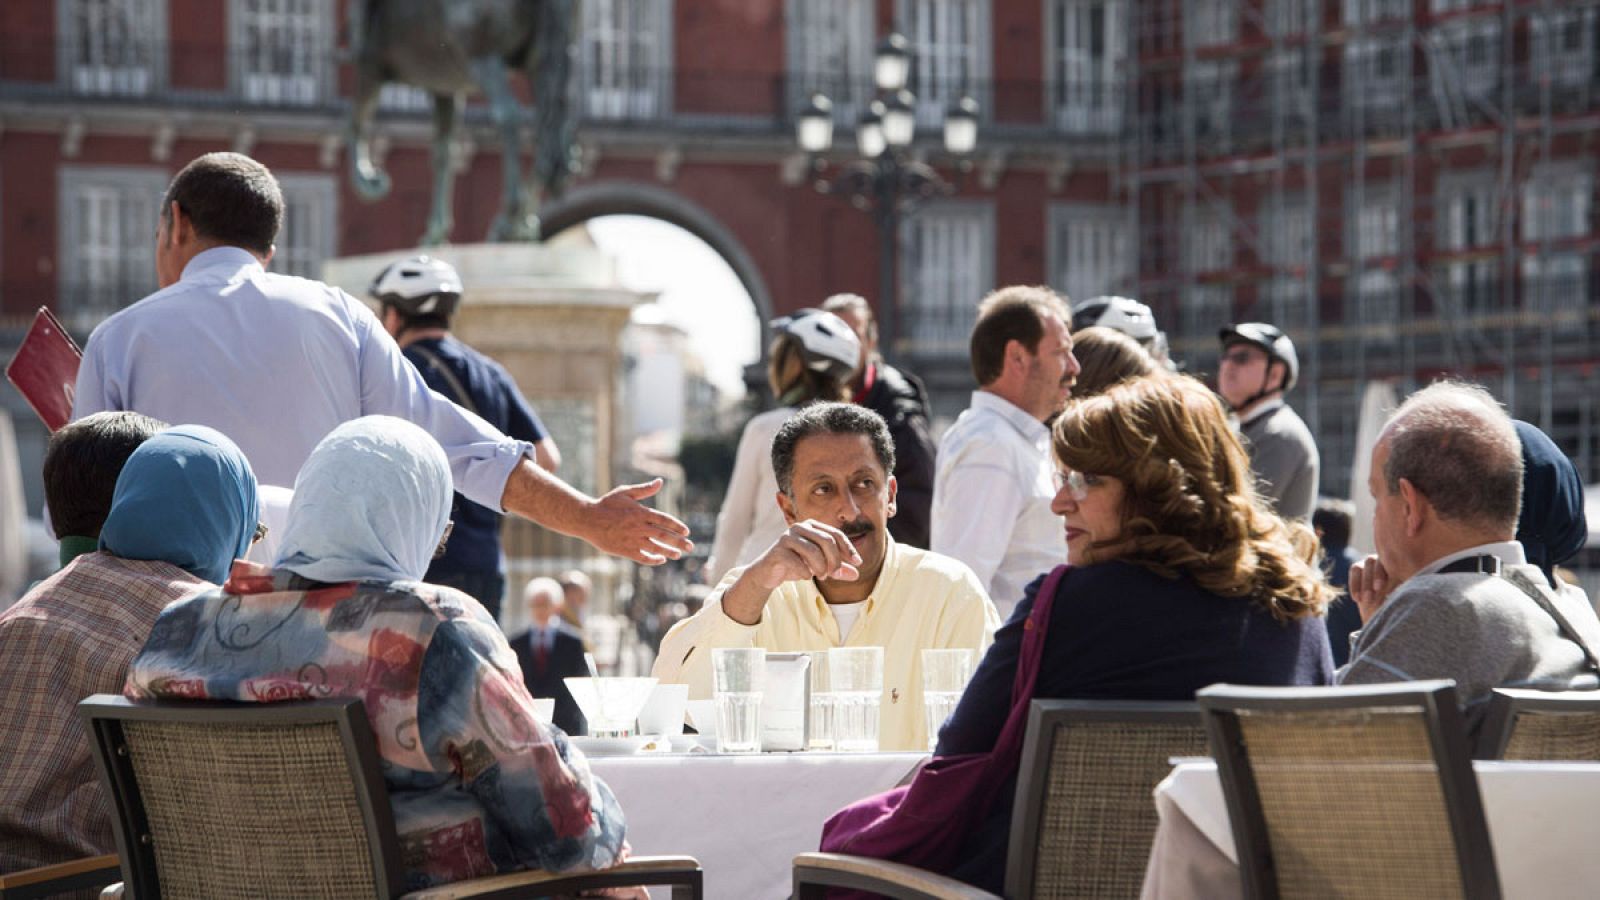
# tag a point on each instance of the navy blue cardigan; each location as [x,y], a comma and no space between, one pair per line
[1121,632]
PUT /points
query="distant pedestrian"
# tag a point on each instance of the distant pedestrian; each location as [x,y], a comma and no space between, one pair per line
[812,358]
[1258,368]
[899,397]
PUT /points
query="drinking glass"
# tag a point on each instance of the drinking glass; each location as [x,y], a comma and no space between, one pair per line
[819,735]
[738,677]
[944,676]
[855,675]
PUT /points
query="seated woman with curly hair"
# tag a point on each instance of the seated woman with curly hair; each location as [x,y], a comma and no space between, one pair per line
[1181,577]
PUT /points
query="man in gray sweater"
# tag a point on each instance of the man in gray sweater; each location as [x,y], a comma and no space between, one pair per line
[1258,367]
[1449,593]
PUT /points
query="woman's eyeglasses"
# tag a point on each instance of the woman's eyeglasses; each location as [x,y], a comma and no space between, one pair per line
[1073,481]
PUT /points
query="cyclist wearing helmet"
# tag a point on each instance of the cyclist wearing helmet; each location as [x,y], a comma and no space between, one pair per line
[1128,316]
[902,401]
[419,297]
[812,357]
[1258,367]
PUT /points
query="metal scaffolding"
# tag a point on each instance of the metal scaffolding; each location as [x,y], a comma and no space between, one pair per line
[1405,187]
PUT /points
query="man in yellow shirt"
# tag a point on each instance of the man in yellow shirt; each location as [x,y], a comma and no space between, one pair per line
[836,578]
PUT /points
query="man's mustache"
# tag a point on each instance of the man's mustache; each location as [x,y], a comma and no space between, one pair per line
[858,528]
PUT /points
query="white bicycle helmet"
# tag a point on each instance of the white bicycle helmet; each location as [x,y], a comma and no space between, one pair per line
[1124,314]
[828,344]
[419,286]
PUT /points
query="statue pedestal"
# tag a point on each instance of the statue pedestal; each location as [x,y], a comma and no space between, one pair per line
[553,315]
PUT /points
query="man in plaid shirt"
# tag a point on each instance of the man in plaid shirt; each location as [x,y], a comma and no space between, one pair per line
[184,507]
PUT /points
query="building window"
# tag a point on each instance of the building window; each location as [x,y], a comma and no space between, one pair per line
[1286,246]
[1210,86]
[1291,82]
[1563,47]
[1376,228]
[1091,251]
[946,267]
[1207,248]
[1466,219]
[1375,74]
[282,51]
[1555,207]
[404,98]
[1210,22]
[831,44]
[107,227]
[951,58]
[310,224]
[1369,12]
[1464,65]
[1088,42]
[113,46]
[625,58]
[1291,17]
[1377,307]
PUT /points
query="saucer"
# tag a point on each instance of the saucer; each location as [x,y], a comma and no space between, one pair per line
[609,746]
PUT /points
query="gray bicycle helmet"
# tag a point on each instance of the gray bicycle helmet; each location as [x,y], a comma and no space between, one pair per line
[828,345]
[419,286]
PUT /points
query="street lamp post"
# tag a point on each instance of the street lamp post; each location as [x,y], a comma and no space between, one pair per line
[885,180]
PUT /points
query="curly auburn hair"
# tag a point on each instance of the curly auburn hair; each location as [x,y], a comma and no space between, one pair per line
[1190,505]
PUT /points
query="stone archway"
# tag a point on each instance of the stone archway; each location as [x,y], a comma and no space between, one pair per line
[637,198]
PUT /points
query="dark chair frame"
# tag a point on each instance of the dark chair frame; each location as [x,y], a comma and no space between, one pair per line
[1506,704]
[104,716]
[73,875]
[1220,705]
[814,872]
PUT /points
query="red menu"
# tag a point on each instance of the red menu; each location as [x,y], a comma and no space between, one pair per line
[45,369]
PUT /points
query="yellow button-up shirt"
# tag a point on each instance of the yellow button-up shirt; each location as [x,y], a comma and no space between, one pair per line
[922,601]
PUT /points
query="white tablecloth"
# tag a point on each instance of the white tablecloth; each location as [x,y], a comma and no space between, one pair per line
[743,817]
[1544,825]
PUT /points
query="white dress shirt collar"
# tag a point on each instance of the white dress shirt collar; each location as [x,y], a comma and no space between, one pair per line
[1508,552]
[1023,421]
[219,259]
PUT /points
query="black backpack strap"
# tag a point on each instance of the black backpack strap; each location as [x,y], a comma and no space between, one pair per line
[462,398]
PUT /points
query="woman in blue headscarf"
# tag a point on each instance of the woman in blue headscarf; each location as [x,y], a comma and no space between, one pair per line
[346,614]
[1552,527]
[183,508]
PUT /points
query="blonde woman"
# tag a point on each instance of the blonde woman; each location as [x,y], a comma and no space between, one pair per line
[1181,577]
[812,358]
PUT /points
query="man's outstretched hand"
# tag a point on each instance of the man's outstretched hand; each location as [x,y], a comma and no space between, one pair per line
[623,526]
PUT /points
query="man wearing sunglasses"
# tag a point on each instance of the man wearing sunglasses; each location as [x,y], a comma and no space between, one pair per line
[1258,367]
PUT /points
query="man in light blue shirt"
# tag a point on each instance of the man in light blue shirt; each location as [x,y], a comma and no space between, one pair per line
[277,362]
[995,478]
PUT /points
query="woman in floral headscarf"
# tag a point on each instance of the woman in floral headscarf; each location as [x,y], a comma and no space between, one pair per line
[477,785]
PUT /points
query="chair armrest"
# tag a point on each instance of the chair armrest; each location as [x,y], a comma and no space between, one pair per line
[44,881]
[888,878]
[640,870]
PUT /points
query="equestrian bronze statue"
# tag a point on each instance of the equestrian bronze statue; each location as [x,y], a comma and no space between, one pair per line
[450,48]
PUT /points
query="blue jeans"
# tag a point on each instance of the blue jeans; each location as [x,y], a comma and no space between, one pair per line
[485,587]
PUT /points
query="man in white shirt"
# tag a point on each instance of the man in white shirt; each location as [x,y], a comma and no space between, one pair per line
[992,492]
[276,362]
[837,578]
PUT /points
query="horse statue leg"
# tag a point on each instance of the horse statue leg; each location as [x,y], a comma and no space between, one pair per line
[514,223]
[441,217]
[555,122]
[371,182]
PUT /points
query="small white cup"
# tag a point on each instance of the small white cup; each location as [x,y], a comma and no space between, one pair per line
[663,710]
[544,710]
